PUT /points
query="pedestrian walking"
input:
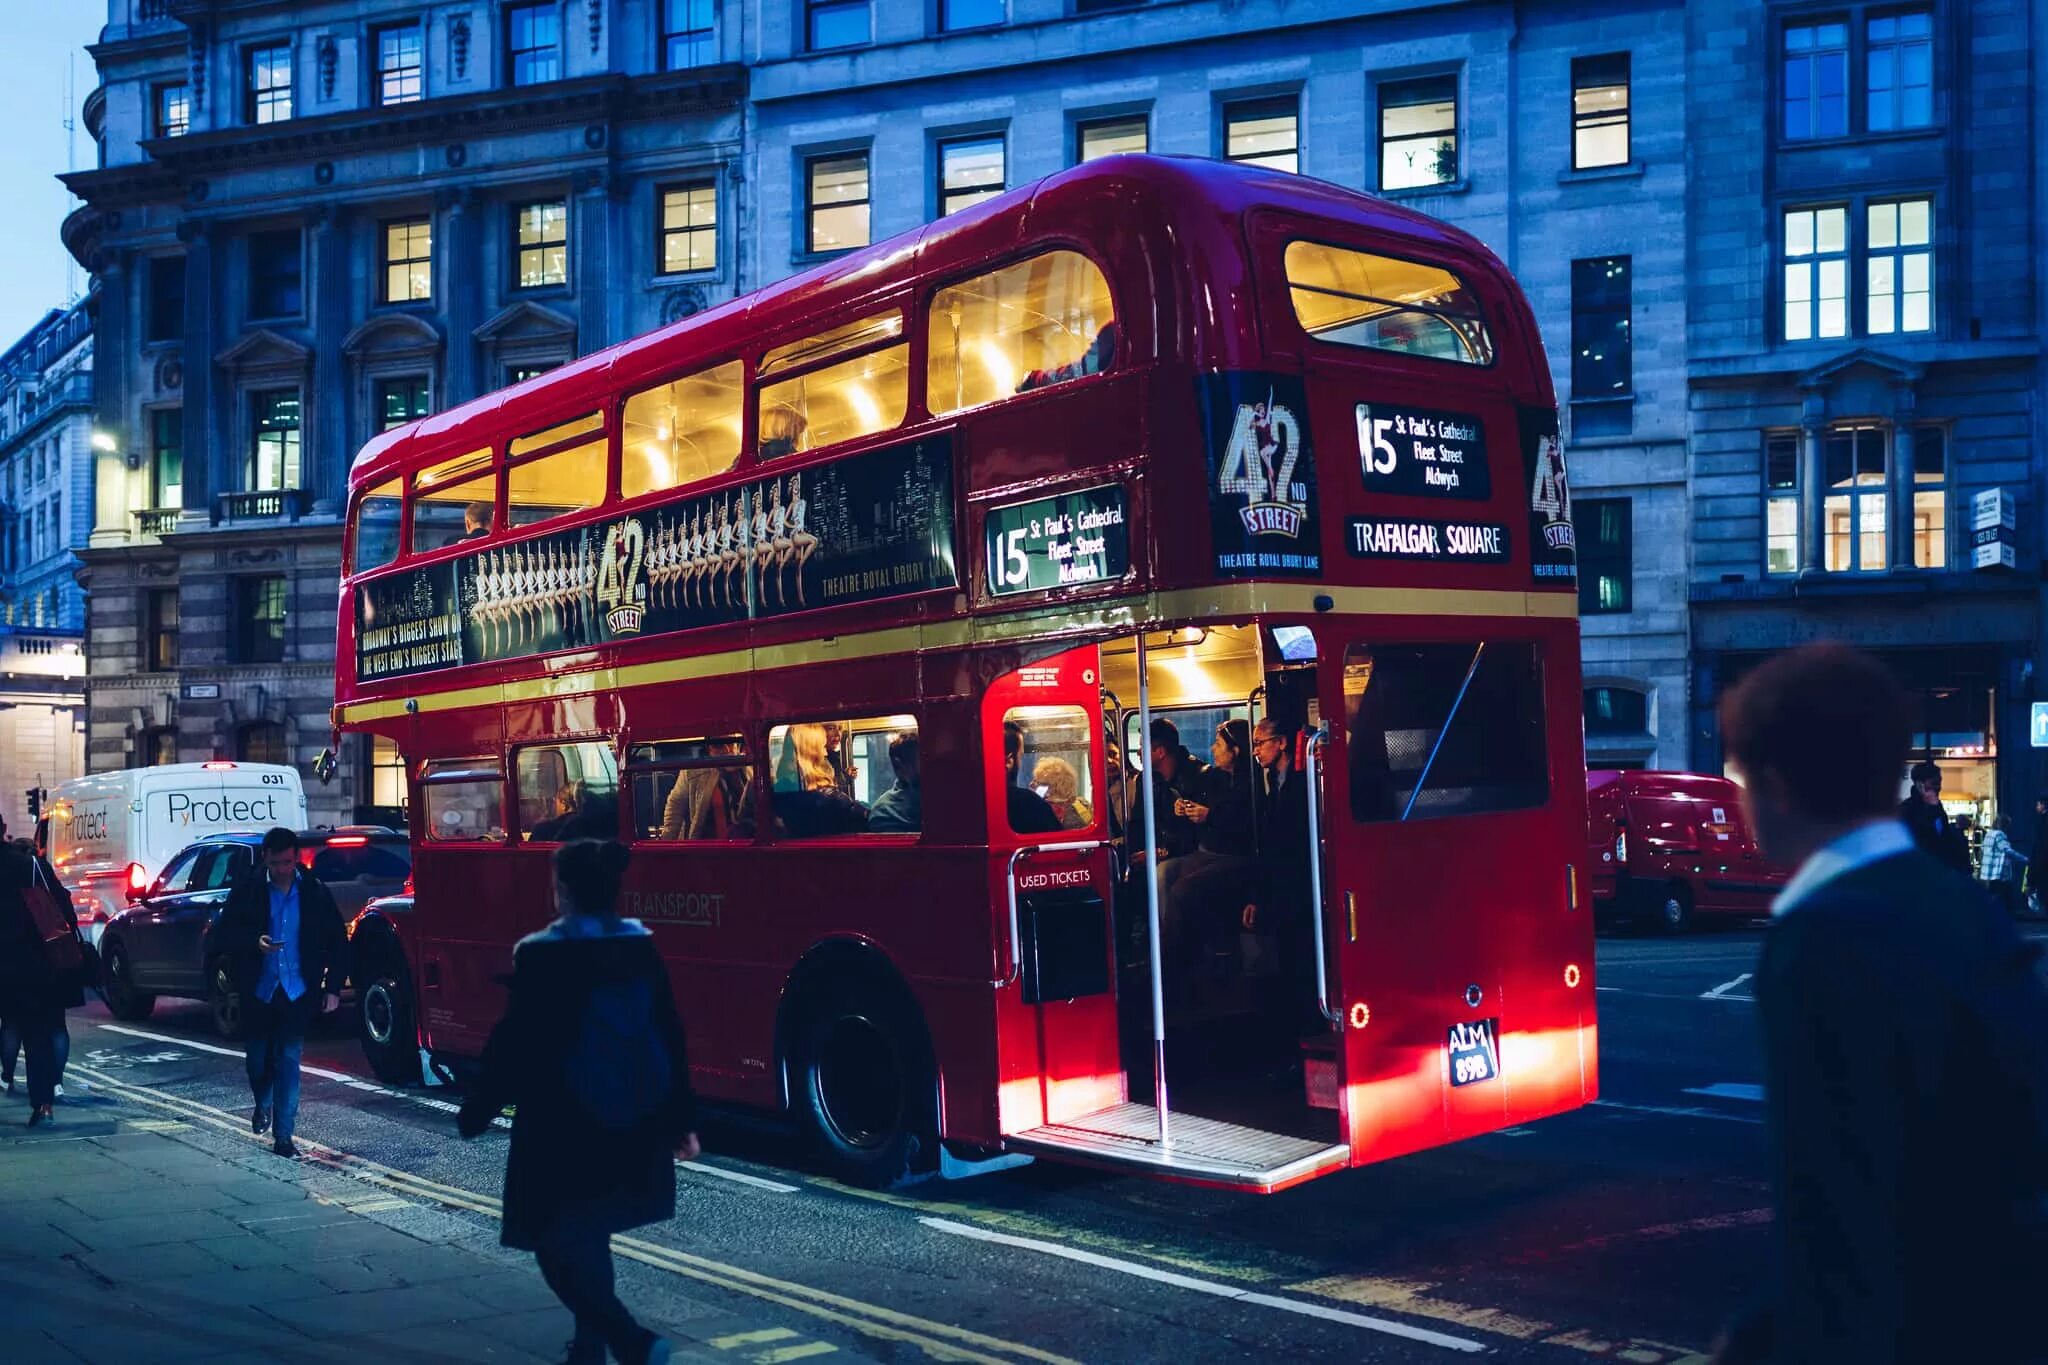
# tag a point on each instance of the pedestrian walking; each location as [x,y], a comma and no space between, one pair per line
[591,1052]
[1999,867]
[1928,821]
[43,966]
[1906,1049]
[288,951]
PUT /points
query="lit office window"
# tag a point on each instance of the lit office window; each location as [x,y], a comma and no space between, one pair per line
[1600,111]
[541,234]
[1111,137]
[689,229]
[970,170]
[400,64]
[1816,273]
[408,260]
[1418,132]
[836,202]
[1899,266]
[1264,133]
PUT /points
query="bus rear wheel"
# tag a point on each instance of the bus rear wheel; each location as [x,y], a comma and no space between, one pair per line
[866,1090]
[384,1008]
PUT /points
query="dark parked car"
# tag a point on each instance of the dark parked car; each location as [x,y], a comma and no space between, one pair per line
[161,945]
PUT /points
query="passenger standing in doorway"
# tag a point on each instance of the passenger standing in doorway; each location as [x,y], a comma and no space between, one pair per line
[591,1052]
[288,950]
[1928,822]
[1217,875]
[1906,1048]
[1283,897]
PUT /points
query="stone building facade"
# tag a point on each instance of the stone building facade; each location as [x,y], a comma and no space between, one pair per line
[1554,133]
[1864,360]
[311,221]
[46,501]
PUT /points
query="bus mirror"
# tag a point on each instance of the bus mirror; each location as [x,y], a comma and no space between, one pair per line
[324,766]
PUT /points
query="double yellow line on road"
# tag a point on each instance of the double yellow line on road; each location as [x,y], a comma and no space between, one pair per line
[939,1340]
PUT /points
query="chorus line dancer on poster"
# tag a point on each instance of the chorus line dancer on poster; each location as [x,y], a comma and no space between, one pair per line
[764,550]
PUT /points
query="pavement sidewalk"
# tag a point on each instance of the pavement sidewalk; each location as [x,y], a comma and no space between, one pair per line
[128,1235]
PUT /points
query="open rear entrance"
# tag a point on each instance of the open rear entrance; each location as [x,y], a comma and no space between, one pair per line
[1221,1004]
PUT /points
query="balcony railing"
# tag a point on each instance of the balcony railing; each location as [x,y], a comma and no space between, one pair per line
[157,521]
[265,505]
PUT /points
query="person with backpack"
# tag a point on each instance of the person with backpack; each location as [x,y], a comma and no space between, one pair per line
[591,1052]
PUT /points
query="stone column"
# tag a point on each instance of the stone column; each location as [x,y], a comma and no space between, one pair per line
[1901,492]
[458,264]
[590,258]
[114,352]
[205,470]
[326,412]
[1813,491]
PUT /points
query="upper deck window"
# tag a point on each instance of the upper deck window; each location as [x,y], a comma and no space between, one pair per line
[377,518]
[684,431]
[1356,298]
[569,479]
[456,500]
[1039,322]
[868,392]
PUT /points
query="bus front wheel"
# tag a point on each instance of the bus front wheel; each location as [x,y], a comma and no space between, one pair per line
[866,1090]
[384,1005]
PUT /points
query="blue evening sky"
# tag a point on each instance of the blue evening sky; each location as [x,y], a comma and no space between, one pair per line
[38,39]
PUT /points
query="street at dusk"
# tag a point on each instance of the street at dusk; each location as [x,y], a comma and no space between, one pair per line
[1024,681]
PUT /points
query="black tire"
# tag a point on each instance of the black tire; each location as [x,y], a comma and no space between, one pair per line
[223,999]
[1671,908]
[386,1019]
[866,1089]
[124,1001]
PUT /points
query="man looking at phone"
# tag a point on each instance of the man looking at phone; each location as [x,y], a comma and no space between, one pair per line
[284,940]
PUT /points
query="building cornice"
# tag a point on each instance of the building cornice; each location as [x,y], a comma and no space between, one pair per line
[175,161]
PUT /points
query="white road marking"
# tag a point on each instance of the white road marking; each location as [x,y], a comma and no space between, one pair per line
[1221,1291]
[739,1177]
[1720,992]
[1677,1112]
[1729,1090]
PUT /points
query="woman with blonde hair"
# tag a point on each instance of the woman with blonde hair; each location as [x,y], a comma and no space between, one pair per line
[812,806]
[1060,785]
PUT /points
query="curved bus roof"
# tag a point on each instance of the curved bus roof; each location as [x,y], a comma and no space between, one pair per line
[1179,221]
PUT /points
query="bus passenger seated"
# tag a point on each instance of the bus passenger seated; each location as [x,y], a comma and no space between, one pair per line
[900,810]
[1056,780]
[697,804]
[1100,355]
[1029,812]
[476,520]
[812,807]
[782,431]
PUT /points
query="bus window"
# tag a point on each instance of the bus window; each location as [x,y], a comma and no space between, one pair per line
[835,777]
[1383,303]
[463,799]
[855,397]
[554,485]
[1046,755]
[455,500]
[377,521]
[684,431]
[555,435]
[1444,729]
[691,790]
[1038,322]
[567,791]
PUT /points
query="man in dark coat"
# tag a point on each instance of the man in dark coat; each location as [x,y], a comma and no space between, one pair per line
[288,951]
[33,993]
[1927,821]
[592,1052]
[1906,1049]
[1283,899]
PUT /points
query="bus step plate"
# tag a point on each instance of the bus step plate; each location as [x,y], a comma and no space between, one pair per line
[1126,1136]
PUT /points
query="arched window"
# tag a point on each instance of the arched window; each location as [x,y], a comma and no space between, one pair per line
[1613,710]
[261,742]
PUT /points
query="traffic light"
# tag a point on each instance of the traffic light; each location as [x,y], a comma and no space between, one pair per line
[35,802]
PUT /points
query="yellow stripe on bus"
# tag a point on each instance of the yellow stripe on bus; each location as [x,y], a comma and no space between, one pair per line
[1119,614]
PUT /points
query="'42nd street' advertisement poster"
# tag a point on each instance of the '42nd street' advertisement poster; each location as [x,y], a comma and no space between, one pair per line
[1262,475]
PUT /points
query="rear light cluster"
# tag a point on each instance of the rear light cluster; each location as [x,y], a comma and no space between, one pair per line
[348,841]
[137,879]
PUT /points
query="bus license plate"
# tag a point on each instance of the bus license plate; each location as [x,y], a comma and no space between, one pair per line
[1474,1055]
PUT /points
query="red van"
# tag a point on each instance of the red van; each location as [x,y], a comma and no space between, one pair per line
[1671,846]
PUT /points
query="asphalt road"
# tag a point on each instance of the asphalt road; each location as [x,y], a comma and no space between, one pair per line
[1623,1232]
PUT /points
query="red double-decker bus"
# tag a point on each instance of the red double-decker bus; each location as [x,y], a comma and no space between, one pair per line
[893,614]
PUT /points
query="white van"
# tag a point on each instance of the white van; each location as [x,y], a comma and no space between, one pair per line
[111,833]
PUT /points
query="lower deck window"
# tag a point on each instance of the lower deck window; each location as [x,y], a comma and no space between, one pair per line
[567,791]
[846,777]
[1444,729]
[691,790]
[464,800]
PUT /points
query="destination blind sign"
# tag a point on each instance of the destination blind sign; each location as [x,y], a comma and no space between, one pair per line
[1463,542]
[1063,542]
[1420,453]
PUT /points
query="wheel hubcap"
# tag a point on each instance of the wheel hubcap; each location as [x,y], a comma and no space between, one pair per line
[227,1008]
[860,1082]
[379,1013]
[1674,911]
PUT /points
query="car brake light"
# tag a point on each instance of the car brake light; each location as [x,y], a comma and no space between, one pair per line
[348,841]
[138,880]
[217,765]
